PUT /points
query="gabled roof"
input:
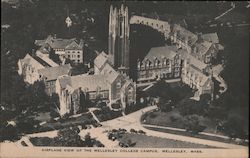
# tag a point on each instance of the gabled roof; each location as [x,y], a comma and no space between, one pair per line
[201,77]
[89,82]
[55,43]
[203,47]
[29,60]
[192,60]
[110,73]
[52,73]
[100,60]
[211,37]
[160,52]
[45,58]
[59,43]
[184,33]
[73,46]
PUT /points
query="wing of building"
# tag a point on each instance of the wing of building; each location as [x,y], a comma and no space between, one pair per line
[39,67]
[106,84]
[65,48]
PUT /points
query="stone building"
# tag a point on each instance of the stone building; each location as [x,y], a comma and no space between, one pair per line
[160,63]
[106,84]
[28,67]
[49,76]
[118,40]
[65,48]
[40,68]
[196,74]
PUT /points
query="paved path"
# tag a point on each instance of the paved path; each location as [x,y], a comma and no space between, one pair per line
[229,10]
[133,121]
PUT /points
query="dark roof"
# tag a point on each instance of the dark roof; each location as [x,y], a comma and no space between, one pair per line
[41,61]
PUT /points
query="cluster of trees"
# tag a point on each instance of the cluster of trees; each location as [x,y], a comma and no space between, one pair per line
[67,137]
[106,114]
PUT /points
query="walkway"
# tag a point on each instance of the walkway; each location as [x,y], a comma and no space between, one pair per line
[133,121]
[229,10]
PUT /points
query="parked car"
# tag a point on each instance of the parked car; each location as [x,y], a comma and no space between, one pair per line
[122,129]
[133,131]
[114,130]
[141,132]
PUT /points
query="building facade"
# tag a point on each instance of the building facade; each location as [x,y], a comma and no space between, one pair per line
[50,75]
[118,40]
[65,48]
[106,84]
[160,63]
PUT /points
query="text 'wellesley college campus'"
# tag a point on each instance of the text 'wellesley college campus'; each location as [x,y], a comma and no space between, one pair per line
[124,76]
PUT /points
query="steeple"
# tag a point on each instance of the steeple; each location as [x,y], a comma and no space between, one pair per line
[119,38]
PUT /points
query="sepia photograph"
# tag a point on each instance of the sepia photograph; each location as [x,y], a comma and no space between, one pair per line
[128,78]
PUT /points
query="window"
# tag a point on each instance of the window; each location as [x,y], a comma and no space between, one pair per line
[92,96]
[156,62]
[78,61]
[118,85]
[73,52]
[68,56]
[105,95]
[78,56]
[130,94]
[78,52]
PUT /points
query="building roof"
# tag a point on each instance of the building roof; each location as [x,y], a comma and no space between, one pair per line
[211,37]
[110,73]
[202,77]
[203,47]
[46,59]
[73,46]
[56,43]
[29,60]
[89,82]
[192,60]
[52,73]
[100,60]
[184,33]
[161,52]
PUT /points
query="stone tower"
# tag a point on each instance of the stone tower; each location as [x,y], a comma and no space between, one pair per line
[118,44]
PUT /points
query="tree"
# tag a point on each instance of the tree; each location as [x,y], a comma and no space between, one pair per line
[68,137]
[192,124]
[234,127]
[165,105]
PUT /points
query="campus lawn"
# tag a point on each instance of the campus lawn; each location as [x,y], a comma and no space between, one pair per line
[176,120]
[144,141]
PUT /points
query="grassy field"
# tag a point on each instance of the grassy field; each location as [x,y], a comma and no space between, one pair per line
[144,141]
[176,120]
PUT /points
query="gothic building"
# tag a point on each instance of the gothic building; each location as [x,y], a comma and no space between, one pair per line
[118,42]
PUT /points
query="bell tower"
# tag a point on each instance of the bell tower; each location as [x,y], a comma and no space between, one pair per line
[118,41]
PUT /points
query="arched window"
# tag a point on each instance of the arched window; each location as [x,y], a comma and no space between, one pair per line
[156,62]
[118,84]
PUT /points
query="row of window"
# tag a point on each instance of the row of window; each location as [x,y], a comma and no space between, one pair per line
[73,56]
[78,52]
[152,24]
[102,95]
